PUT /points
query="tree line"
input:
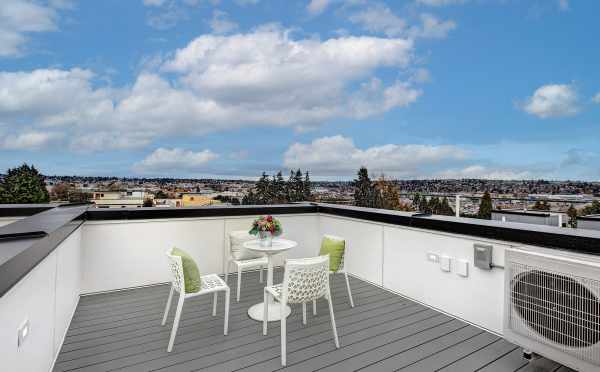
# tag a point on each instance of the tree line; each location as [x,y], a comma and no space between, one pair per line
[276,190]
[384,194]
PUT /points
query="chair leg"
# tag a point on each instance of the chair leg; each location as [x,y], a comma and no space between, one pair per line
[304,313]
[176,322]
[265,312]
[239,283]
[260,274]
[168,307]
[349,291]
[283,334]
[215,297]
[226,322]
[335,335]
[315,307]
[227,272]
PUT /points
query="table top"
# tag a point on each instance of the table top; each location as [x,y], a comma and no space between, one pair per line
[279,245]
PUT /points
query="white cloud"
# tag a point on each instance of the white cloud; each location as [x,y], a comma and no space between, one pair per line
[247,2]
[380,19]
[316,7]
[29,140]
[176,160]
[18,18]
[166,14]
[440,2]
[221,24]
[553,100]
[338,155]
[216,83]
[165,19]
[432,28]
[596,98]
[484,172]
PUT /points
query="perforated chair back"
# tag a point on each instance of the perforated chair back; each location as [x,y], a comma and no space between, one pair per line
[176,267]
[305,279]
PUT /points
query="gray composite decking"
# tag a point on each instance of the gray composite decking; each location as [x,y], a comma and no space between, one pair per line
[383,332]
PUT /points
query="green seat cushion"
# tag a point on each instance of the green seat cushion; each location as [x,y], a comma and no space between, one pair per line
[191,274]
[335,249]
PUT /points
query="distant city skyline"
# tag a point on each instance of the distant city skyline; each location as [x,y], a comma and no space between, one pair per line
[227,89]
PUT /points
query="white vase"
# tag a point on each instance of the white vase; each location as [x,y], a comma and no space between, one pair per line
[265,238]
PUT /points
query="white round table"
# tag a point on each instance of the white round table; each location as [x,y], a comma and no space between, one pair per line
[279,246]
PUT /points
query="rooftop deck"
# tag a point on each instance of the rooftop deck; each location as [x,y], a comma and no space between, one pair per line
[384,332]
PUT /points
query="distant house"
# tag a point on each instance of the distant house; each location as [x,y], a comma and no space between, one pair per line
[193,199]
[531,217]
[589,222]
[120,199]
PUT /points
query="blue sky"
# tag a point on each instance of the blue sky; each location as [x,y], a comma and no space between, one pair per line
[193,88]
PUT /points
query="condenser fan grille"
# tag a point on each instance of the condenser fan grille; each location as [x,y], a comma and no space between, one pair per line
[557,307]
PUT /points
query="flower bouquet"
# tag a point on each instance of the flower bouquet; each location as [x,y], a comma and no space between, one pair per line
[266,227]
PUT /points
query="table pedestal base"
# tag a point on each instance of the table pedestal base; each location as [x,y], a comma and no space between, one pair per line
[256,311]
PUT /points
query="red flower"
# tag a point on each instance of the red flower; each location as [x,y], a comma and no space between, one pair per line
[270,218]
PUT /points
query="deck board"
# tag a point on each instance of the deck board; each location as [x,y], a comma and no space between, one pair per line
[121,331]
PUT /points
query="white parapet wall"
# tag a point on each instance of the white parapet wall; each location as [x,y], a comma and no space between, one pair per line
[45,299]
[130,253]
[396,257]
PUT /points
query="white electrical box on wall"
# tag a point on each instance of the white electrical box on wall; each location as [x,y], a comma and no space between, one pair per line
[445,263]
[432,257]
[462,268]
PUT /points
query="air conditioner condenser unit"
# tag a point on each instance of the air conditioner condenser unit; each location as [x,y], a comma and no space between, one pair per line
[552,305]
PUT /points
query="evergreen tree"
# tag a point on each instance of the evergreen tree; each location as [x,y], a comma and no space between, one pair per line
[23,185]
[416,201]
[4,196]
[485,208]
[572,213]
[295,186]
[364,195]
[298,186]
[289,186]
[263,190]
[306,188]
[278,189]
[424,205]
[249,198]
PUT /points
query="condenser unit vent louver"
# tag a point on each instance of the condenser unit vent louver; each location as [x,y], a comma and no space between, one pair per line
[552,306]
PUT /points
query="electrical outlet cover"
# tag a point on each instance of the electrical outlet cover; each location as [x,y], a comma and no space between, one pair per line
[433,257]
[445,263]
[462,268]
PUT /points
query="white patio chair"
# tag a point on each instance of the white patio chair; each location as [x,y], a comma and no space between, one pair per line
[304,280]
[211,283]
[242,258]
[340,270]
